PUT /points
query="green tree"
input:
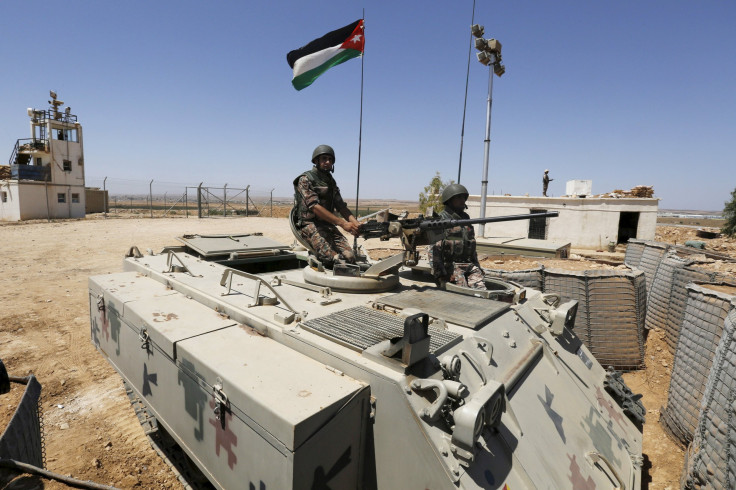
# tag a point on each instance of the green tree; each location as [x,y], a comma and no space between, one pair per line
[729,214]
[430,197]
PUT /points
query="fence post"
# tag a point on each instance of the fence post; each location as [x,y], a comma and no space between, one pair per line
[199,200]
[150,197]
[272,203]
[104,196]
[186,202]
[247,213]
[224,200]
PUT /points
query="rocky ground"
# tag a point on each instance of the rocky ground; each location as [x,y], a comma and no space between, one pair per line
[90,429]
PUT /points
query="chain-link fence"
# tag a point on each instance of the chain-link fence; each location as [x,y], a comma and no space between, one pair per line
[116,197]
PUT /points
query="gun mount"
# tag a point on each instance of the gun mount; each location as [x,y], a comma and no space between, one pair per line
[414,232]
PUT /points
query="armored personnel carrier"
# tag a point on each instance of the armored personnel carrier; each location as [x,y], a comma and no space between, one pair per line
[268,378]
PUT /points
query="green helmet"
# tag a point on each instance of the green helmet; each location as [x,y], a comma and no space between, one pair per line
[323,150]
[453,190]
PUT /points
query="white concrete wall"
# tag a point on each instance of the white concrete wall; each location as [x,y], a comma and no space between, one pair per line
[29,201]
[10,210]
[584,222]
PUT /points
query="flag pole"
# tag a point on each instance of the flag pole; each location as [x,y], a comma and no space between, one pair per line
[465,104]
[360,134]
[360,131]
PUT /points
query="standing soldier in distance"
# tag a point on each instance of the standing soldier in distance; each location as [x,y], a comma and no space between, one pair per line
[545,182]
[316,197]
[454,258]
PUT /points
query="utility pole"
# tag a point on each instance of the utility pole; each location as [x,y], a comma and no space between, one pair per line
[489,54]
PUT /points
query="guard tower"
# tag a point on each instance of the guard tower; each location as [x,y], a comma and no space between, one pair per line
[44,177]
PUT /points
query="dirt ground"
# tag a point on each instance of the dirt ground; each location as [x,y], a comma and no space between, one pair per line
[91,432]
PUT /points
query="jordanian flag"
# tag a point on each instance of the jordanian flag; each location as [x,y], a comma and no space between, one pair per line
[335,47]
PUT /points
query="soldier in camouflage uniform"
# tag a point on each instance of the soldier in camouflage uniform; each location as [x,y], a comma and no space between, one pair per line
[454,258]
[316,198]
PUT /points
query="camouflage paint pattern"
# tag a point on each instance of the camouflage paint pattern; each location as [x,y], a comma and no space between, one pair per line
[328,243]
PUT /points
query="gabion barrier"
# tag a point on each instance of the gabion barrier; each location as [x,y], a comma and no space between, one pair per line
[529,278]
[22,439]
[611,312]
[700,333]
[660,292]
[678,299]
[634,249]
[650,260]
[710,461]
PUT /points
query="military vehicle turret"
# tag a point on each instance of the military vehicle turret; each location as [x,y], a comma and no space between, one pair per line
[267,379]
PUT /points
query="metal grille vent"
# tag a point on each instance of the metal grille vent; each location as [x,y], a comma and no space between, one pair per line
[361,327]
[467,311]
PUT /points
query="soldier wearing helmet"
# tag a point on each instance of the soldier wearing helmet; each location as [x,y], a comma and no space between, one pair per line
[316,198]
[454,258]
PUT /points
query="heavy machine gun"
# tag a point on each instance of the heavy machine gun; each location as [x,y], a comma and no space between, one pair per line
[414,232]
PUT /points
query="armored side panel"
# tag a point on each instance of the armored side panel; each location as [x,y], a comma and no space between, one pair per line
[246,409]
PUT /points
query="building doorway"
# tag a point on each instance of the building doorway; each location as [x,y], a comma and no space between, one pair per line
[628,223]
[538,226]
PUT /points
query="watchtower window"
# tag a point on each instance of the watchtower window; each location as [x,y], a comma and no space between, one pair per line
[61,197]
[5,196]
[67,165]
[66,135]
[75,198]
[39,161]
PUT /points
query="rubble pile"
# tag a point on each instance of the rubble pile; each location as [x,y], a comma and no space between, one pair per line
[638,191]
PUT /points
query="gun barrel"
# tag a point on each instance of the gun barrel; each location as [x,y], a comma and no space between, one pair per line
[449,223]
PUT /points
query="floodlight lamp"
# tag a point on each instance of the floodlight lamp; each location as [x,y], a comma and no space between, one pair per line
[480,44]
[499,69]
[494,46]
[484,57]
[477,30]
[52,94]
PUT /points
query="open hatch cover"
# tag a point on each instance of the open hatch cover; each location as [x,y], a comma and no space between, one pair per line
[209,246]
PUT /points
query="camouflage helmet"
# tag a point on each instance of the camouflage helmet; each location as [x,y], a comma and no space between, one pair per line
[453,190]
[323,150]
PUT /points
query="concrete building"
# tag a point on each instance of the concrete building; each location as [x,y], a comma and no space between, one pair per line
[45,174]
[585,222]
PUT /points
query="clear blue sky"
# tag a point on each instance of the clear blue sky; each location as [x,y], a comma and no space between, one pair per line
[622,93]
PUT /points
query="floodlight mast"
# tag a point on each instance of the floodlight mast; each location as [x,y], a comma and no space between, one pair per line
[489,54]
